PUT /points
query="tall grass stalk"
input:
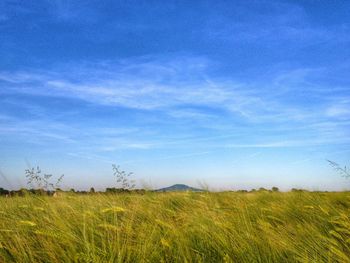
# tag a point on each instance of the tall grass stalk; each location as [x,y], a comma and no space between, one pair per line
[177,227]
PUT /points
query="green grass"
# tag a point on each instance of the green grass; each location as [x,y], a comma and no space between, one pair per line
[177,227]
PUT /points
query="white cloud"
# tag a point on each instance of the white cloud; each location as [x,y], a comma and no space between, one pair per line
[154,85]
[182,89]
[339,111]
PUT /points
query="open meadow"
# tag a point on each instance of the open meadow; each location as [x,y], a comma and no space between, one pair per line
[176,227]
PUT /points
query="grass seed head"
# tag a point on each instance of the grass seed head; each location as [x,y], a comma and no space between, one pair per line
[27,223]
[114,209]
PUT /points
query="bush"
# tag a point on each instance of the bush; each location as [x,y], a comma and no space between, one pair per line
[275,189]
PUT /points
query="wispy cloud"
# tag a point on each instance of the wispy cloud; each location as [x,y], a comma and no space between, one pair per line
[339,110]
[182,90]
[162,85]
[35,132]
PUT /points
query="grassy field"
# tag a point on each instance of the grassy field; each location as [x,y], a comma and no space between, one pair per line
[177,227]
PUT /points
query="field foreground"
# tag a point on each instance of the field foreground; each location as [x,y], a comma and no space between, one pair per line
[177,227]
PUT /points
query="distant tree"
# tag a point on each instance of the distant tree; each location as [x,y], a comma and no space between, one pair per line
[298,190]
[262,189]
[275,189]
[92,190]
[39,191]
[4,191]
[117,190]
[22,192]
[72,190]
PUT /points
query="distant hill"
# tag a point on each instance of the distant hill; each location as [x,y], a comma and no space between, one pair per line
[179,187]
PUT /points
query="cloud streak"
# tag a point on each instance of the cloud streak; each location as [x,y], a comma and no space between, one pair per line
[181,90]
[154,85]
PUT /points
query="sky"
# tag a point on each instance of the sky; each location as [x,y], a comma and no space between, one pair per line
[224,94]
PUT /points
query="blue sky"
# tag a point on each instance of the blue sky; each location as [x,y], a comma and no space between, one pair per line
[232,94]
